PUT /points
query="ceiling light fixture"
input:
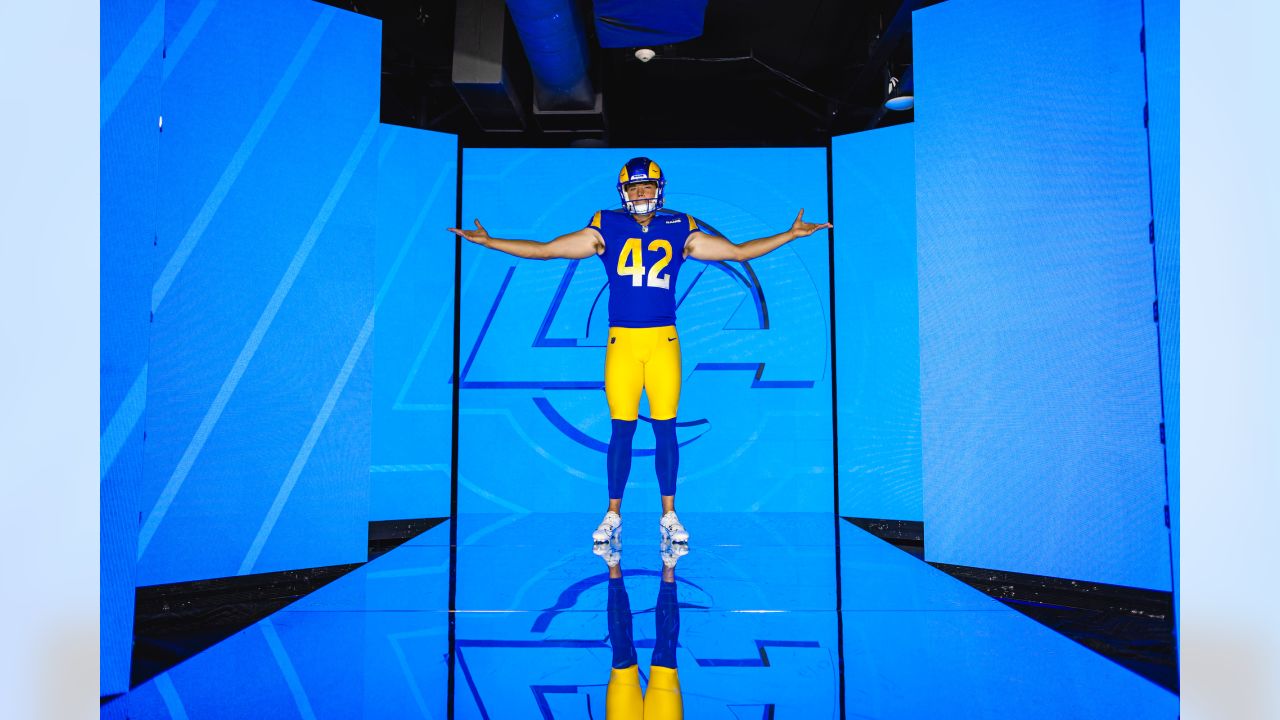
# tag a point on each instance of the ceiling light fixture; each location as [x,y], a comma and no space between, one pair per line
[901,94]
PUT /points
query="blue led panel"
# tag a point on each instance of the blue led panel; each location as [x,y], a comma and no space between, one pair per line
[413,336]
[1040,385]
[131,34]
[919,643]
[259,385]
[877,324]
[755,411]
[1161,19]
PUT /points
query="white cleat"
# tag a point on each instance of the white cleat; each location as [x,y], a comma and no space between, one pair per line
[610,525]
[671,552]
[610,552]
[672,529]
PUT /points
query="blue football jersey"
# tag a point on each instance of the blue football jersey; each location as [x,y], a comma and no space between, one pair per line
[642,264]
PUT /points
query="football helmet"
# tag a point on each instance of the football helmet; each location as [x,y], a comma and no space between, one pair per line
[641,169]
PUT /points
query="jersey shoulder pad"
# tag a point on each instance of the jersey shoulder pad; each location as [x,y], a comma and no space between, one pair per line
[696,225]
[611,217]
[673,220]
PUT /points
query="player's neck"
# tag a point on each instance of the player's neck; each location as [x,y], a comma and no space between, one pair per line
[642,219]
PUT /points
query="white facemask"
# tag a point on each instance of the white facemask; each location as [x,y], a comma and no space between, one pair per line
[642,206]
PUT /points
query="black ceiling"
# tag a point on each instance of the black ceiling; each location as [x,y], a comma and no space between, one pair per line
[763,73]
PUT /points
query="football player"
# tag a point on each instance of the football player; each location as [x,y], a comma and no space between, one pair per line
[663,700]
[643,251]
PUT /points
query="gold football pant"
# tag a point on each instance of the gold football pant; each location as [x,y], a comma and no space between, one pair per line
[642,359]
[662,701]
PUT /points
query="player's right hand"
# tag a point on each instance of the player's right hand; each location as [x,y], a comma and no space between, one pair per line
[478,236]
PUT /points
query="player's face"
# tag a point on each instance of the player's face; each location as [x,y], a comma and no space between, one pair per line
[641,198]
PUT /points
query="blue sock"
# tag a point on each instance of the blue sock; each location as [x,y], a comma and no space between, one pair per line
[619,463]
[667,459]
[619,613]
[666,616]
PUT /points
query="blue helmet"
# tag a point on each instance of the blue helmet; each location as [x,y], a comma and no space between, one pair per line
[641,169]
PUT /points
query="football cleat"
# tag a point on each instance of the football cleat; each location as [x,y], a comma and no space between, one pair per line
[610,552]
[671,552]
[609,526]
[672,529]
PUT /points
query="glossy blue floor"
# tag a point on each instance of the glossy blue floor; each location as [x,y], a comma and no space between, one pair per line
[759,633]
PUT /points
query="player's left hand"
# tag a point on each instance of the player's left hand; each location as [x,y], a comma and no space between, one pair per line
[800,228]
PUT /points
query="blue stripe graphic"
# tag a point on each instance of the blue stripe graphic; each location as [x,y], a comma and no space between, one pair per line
[286,667]
[542,340]
[238,161]
[433,467]
[756,382]
[169,693]
[309,444]
[335,391]
[121,426]
[410,376]
[414,231]
[535,384]
[124,72]
[173,53]
[409,677]
[255,339]
[123,421]
[487,321]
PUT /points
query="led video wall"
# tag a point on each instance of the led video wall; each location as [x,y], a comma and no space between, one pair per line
[413,329]
[1039,363]
[130,102]
[1160,43]
[877,324]
[255,235]
[258,384]
[754,422]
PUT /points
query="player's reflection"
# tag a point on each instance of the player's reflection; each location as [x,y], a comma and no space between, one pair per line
[624,699]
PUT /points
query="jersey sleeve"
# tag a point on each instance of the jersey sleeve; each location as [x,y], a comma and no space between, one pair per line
[696,225]
[596,222]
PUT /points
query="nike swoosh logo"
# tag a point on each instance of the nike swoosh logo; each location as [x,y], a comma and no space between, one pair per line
[670,339]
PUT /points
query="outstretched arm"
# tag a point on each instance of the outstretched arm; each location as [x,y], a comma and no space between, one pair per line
[702,246]
[574,246]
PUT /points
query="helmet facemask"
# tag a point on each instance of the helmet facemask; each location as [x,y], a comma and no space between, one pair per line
[641,170]
[642,206]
